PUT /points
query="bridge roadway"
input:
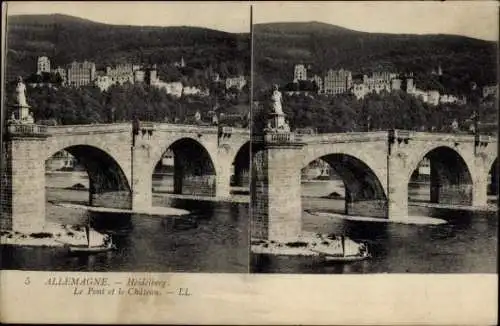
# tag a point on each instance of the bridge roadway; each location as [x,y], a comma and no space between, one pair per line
[120,160]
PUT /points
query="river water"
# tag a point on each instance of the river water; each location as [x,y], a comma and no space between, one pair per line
[212,238]
[467,243]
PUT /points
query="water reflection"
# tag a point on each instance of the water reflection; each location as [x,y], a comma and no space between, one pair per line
[466,244]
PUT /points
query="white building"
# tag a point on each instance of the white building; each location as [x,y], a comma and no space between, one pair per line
[337,81]
[103,82]
[299,73]
[433,97]
[192,90]
[121,74]
[175,88]
[81,73]
[139,76]
[43,65]
[490,90]
[422,95]
[377,82]
[239,82]
[359,90]
[448,98]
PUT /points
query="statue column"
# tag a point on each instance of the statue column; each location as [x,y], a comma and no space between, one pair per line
[276,188]
[23,173]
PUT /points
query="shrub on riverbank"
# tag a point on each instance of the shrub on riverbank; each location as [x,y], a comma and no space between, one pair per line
[41,235]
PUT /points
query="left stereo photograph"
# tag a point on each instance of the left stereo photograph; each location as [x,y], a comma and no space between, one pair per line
[126,144]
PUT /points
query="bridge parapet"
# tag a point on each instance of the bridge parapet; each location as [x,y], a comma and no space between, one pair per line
[88,129]
[277,137]
[345,137]
[196,128]
[428,136]
[27,130]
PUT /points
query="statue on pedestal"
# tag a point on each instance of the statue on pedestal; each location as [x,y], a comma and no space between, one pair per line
[22,105]
[21,92]
[276,120]
[276,100]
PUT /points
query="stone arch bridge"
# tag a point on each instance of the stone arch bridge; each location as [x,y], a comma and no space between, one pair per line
[120,161]
[375,167]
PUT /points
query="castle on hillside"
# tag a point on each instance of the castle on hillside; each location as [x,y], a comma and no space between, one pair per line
[336,82]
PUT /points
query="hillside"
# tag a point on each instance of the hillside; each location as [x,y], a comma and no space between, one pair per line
[278,46]
[66,38]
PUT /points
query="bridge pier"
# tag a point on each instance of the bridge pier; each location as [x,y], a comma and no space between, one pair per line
[480,186]
[276,192]
[23,181]
[480,193]
[397,178]
[223,181]
[142,185]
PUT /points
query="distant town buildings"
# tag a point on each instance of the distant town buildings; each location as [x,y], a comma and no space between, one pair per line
[174,88]
[490,90]
[81,73]
[300,73]
[43,65]
[239,82]
[337,82]
[342,81]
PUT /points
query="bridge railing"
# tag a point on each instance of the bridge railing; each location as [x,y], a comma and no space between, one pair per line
[20,130]
[346,136]
[89,128]
[277,137]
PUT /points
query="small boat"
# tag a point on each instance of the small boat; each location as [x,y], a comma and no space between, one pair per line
[91,250]
[96,243]
[345,250]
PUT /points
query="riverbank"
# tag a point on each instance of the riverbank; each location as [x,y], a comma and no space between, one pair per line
[301,246]
[418,220]
[153,211]
[492,207]
[52,235]
[238,199]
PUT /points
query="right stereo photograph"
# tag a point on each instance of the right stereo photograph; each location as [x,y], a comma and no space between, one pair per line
[374,138]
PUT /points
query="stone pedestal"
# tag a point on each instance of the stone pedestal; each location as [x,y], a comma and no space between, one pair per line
[223,183]
[141,178]
[23,179]
[276,190]
[397,188]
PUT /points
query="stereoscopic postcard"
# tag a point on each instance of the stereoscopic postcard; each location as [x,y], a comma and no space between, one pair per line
[249,162]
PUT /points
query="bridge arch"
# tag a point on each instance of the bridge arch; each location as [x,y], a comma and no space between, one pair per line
[241,164]
[451,175]
[108,183]
[194,167]
[413,161]
[364,191]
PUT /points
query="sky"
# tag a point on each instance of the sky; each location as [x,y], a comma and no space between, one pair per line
[477,19]
[233,17]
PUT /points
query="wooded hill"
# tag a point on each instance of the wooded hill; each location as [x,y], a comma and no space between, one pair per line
[279,46]
[65,39]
